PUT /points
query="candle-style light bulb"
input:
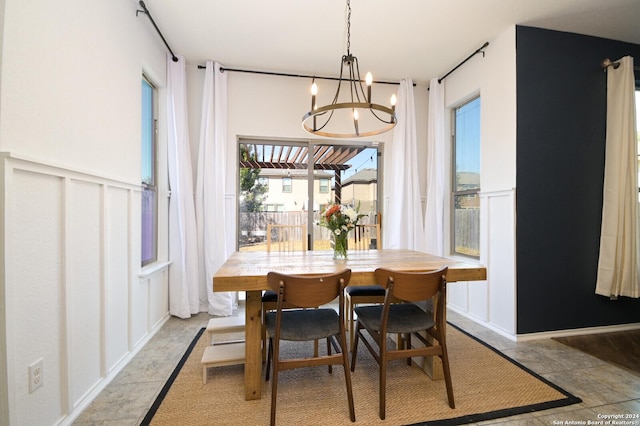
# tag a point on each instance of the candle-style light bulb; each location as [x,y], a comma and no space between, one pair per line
[355,122]
[314,92]
[368,80]
[393,102]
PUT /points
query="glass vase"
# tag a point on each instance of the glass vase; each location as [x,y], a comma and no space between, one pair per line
[339,243]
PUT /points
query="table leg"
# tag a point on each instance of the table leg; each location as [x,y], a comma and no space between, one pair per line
[433,364]
[253,346]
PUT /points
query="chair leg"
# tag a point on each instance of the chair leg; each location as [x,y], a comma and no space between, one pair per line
[351,320]
[347,375]
[383,384]
[269,360]
[274,383]
[329,353]
[447,377]
[407,343]
[354,349]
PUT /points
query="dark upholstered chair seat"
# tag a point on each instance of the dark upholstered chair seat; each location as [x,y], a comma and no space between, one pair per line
[365,290]
[305,324]
[403,318]
[269,296]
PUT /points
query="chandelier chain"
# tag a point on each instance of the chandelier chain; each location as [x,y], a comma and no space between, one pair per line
[348,27]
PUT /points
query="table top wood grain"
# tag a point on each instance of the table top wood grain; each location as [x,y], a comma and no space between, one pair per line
[247,271]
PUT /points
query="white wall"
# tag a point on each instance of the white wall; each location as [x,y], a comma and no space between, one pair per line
[71,288]
[493,77]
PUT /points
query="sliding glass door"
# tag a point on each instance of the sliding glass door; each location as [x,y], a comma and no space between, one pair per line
[291,183]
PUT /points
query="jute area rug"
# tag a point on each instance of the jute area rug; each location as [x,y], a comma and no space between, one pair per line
[486,385]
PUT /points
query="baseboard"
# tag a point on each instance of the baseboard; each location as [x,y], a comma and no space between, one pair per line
[548,334]
[578,331]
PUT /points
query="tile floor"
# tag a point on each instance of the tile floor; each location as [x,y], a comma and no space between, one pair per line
[604,388]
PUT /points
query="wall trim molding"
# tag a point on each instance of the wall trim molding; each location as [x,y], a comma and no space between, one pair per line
[24,162]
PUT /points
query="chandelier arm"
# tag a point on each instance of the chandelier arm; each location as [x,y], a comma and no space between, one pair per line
[382,119]
[326,122]
[337,95]
[364,96]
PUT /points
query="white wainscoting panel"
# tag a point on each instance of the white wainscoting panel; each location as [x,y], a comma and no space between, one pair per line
[72,292]
[117,282]
[492,302]
[34,294]
[84,285]
[501,260]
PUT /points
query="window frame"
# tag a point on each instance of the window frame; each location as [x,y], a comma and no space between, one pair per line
[468,192]
[287,188]
[149,183]
[324,186]
[312,203]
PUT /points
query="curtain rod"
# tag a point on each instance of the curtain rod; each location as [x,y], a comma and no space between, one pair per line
[479,50]
[146,12]
[606,63]
[201,67]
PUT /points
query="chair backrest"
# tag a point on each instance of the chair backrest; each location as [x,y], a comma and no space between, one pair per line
[309,291]
[284,238]
[367,237]
[415,286]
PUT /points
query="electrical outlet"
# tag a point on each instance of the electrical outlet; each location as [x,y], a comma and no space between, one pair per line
[36,375]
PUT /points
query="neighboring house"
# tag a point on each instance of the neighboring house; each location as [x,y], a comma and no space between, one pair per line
[288,190]
[361,189]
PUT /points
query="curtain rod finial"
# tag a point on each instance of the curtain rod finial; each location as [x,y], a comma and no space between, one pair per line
[607,63]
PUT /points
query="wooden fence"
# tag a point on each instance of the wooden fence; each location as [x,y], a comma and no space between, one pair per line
[253,227]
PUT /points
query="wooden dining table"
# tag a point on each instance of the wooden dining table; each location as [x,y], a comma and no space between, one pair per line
[247,271]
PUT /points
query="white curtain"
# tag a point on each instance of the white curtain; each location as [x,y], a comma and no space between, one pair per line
[403,227]
[434,215]
[184,289]
[210,189]
[618,261]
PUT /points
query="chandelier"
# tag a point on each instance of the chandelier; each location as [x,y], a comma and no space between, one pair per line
[355,109]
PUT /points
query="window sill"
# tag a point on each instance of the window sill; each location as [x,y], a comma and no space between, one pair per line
[150,270]
[466,259]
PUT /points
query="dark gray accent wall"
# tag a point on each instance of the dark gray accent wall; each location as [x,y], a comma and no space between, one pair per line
[561,123]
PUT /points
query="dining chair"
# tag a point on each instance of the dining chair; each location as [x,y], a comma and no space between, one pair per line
[420,293]
[366,237]
[298,323]
[280,238]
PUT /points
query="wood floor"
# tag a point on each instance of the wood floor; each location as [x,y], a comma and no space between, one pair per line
[621,348]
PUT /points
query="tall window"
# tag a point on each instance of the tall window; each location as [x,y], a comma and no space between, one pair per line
[466,180]
[149,185]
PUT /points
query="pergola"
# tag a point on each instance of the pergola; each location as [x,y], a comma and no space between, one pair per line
[324,157]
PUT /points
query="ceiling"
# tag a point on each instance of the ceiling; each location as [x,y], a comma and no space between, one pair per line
[394,39]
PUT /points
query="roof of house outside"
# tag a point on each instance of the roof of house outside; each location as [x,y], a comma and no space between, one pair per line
[365,176]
